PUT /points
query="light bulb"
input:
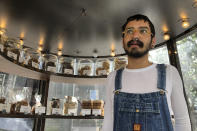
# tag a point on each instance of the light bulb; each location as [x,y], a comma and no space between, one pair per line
[1,32]
[113,53]
[40,48]
[166,36]
[59,53]
[185,24]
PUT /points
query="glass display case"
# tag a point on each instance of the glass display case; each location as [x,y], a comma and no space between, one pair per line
[80,93]
[62,106]
[16,99]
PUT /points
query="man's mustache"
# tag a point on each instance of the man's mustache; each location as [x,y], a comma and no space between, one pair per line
[135,42]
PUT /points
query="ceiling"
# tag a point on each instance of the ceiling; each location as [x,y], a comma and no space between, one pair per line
[85,25]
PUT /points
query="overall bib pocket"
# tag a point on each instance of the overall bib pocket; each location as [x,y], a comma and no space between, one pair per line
[145,114]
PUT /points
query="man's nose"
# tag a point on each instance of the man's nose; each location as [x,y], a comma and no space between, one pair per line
[136,34]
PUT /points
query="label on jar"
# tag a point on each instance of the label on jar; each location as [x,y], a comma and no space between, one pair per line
[56,111]
[68,71]
[85,112]
[12,55]
[1,47]
[72,112]
[102,72]
[35,65]
[51,69]
[86,72]
[40,110]
[25,109]
[96,112]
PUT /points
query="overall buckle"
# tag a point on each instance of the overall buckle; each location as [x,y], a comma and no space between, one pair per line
[116,91]
[162,92]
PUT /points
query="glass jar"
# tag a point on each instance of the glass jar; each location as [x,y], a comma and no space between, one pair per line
[70,105]
[2,96]
[102,67]
[98,107]
[3,39]
[25,55]
[86,104]
[120,62]
[67,64]
[37,61]
[12,49]
[85,67]
[50,61]
[22,98]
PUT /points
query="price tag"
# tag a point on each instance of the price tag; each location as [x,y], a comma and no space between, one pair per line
[87,72]
[96,112]
[68,71]
[102,72]
[25,109]
[40,110]
[51,69]
[35,65]
[56,111]
[1,47]
[12,55]
[72,112]
[85,112]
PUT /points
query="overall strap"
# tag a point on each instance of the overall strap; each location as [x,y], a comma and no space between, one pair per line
[118,86]
[161,76]
[118,79]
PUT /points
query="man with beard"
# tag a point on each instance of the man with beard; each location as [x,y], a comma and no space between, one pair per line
[144,96]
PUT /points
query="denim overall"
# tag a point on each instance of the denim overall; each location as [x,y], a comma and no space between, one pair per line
[142,112]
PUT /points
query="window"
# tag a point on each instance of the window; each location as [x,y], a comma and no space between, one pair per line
[187,51]
[159,55]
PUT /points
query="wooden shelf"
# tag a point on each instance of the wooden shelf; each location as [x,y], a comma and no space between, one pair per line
[74,117]
[20,116]
[48,116]
[47,72]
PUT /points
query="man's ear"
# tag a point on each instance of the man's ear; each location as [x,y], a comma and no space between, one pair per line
[153,42]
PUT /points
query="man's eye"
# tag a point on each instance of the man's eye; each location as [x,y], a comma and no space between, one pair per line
[143,31]
[129,31]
